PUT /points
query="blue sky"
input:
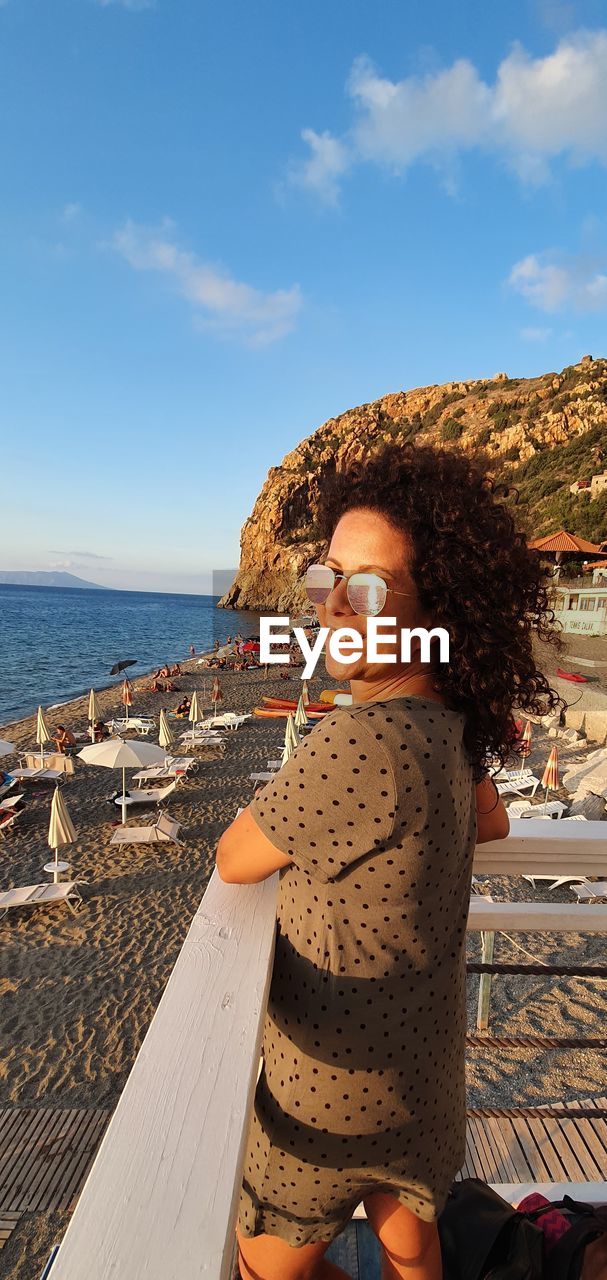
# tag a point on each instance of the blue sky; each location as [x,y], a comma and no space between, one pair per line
[223,224]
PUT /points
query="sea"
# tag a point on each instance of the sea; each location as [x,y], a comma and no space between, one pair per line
[56,643]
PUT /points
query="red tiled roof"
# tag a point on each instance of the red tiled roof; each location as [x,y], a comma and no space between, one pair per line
[563,541]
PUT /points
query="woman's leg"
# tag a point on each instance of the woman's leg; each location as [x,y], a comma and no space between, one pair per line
[410,1246]
[270,1258]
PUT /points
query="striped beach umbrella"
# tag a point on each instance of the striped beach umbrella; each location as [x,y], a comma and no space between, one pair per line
[525,748]
[127,695]
[42,734]
[550,776]
[165,733]
[93,713]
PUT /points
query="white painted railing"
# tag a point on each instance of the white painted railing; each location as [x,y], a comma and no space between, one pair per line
[161,1199]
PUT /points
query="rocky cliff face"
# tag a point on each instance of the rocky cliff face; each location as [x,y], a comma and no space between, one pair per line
[512,419]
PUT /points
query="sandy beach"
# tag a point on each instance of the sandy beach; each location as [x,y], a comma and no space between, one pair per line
[78,992]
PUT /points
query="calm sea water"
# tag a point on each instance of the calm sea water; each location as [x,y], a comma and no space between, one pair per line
[57,643]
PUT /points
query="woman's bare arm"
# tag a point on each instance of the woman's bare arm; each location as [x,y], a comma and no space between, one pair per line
[492,819]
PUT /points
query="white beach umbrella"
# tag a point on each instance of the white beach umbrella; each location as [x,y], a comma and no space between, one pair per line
[195,712]
[301,718]
[6,748]
[304,692]
[287,752]
[115,753]
[61,828]
[165,734]
[42,734]
[93,713]
[291,732]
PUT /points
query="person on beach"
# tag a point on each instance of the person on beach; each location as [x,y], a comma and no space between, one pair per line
[192,650]
[100,731]
[183,708]
[372,825]
[63,739]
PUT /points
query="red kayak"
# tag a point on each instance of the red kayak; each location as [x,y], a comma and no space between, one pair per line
[290,704]
[571,675]
[275,713]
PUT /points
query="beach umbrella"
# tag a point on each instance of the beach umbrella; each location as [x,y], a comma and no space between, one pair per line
[6,748]
[115,753]
[93,713]
[304,692]
[122,666]
[61,829]
[291,732]
[301,718]
[526,740]
[217,695]
[127,696]
[550,776]
[165,733]
[195,712]
[42,734]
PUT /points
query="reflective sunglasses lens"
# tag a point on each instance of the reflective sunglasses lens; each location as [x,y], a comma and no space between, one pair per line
[320,581]
[367,593]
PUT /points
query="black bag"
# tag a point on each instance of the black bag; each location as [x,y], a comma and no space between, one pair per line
[587,1224]
[483,1238]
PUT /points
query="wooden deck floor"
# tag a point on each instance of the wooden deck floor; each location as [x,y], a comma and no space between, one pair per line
[45,1156]
[357,1251]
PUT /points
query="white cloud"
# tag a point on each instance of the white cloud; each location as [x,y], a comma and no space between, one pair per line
[327,161]
[565,281]
[535,335]
[536,109]
[71,212]
[220,302]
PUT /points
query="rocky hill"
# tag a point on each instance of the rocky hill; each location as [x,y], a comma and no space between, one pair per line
[541,434]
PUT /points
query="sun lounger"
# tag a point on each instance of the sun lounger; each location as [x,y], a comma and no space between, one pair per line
[164,830]
[177,767]
[586,891]
[54,760]
[10,812]
[37,775]
[41,895]
[203,738]
[262,777]
[154,795]
[140,724]
[518,784]
[522,809]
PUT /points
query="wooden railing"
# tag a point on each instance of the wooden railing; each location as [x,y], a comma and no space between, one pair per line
[161,1199]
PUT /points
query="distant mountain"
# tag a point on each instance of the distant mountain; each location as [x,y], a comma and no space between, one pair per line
[19,578]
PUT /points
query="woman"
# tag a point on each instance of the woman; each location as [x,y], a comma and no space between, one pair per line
[372,824]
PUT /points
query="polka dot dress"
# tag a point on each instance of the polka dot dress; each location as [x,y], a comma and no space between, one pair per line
[362,1086]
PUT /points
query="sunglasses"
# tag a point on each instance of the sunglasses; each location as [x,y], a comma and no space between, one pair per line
[366,592]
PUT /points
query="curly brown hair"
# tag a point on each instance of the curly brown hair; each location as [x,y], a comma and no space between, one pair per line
[474,573]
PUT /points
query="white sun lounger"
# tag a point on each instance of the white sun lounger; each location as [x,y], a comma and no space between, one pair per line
[518,784]
[154,795]
[164,830]
[586,891]
[37,775]
[262,777]
[522,809]
[142,724]
[174,767]
[41,895]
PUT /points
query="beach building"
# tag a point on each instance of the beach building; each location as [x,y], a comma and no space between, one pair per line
[582,609]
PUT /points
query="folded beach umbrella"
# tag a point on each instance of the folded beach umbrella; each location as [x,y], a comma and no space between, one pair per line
[61,828]
[195,712]
[525,749]
[301,718]
[115,753]
[127,695]
[6,748]
[92,713]
[304,692]
[42,734]
[291,732]
[550,776]
[165,733]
